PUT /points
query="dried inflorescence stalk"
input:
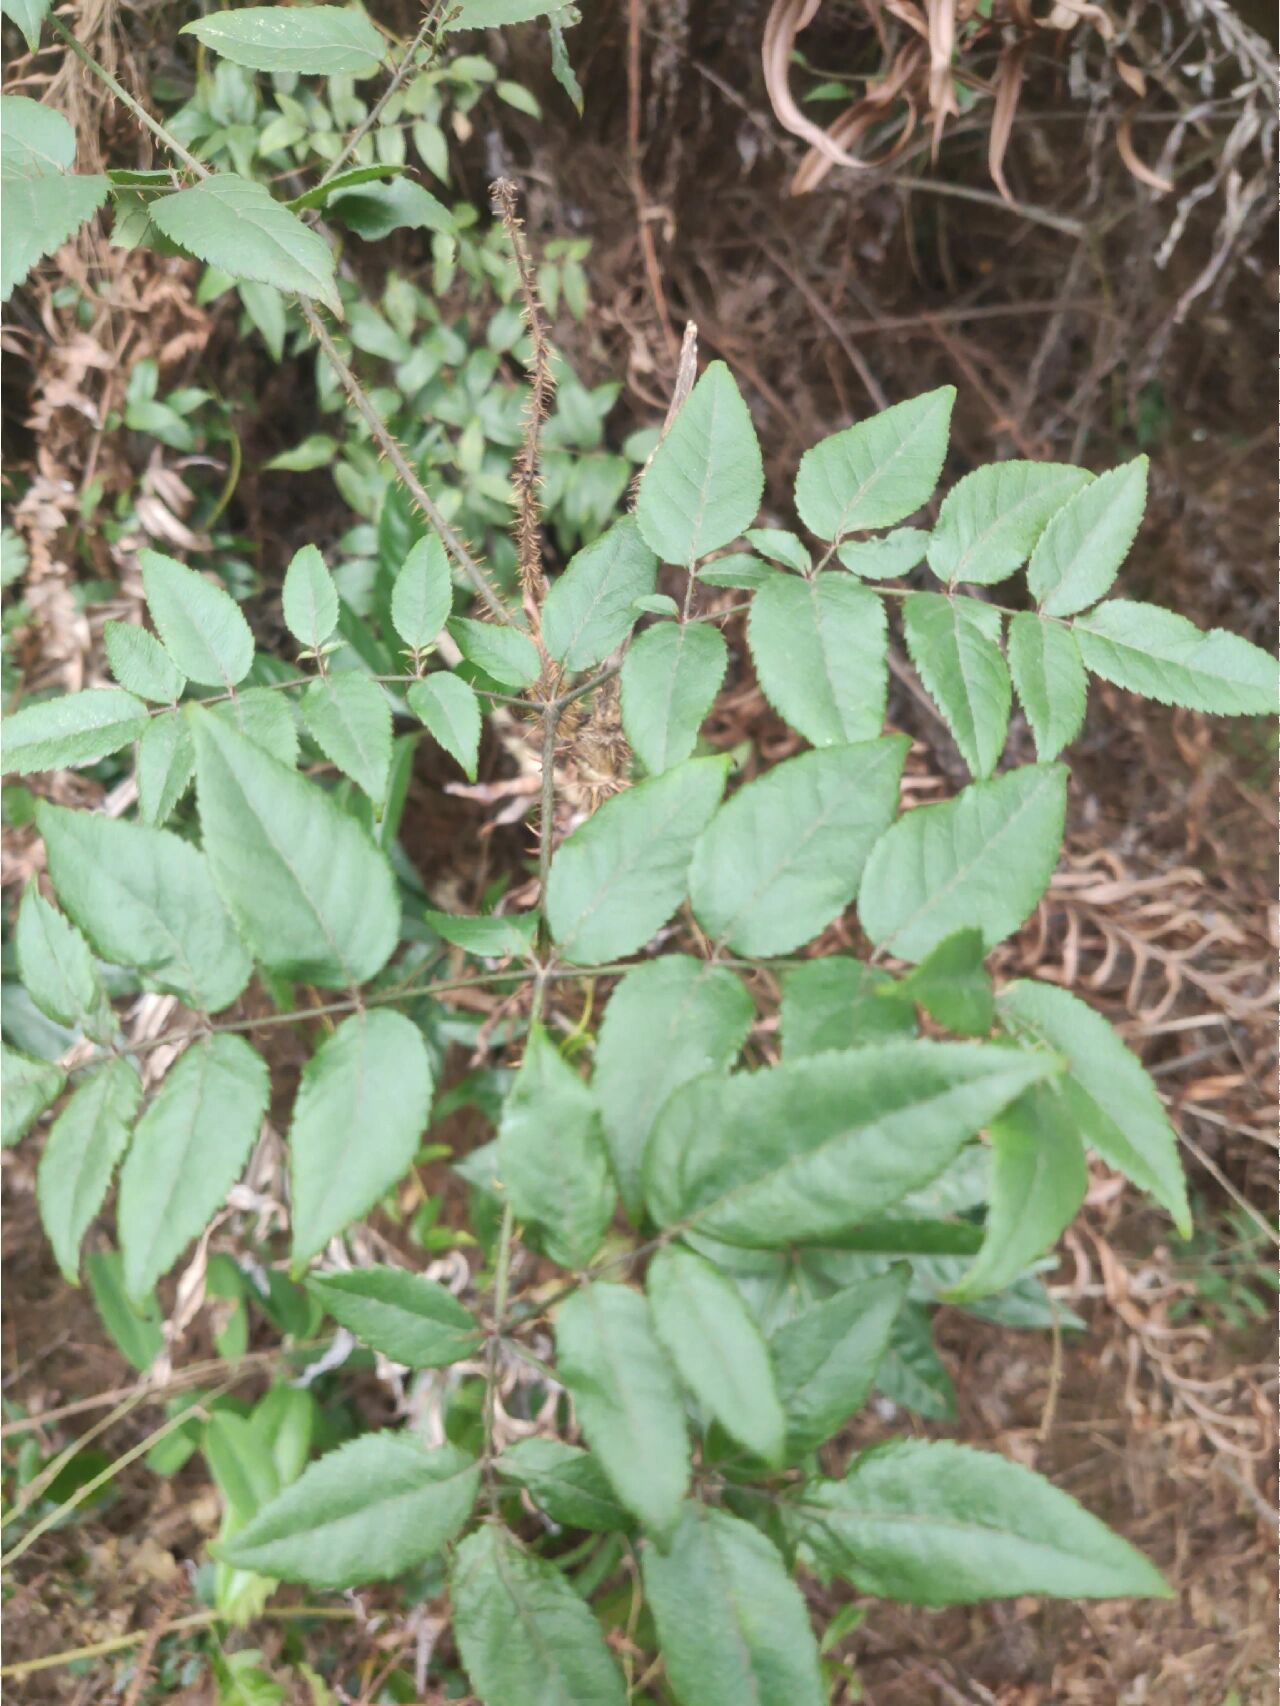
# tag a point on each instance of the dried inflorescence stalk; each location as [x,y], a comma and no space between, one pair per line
[526,475]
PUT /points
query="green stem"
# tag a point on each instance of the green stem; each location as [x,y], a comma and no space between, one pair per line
[433,17]
[126,99]
[179,1626]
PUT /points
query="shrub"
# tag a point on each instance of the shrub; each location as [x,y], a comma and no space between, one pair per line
[728,1260]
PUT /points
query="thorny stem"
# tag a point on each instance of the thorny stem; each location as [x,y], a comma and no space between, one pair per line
[546,822]
[434,18]
[122,94]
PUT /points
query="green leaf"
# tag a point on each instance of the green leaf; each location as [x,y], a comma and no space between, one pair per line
[492,14]
[825,1142]
[1080,551]
[27,1088]
[451,711]
[551,1155]
[733,1625]
[317,450]
[164,767]
[44,203]
[317,41]
[1112,1103]
[566,1481]
[75,728]
[57,968]
[507,655]
[368,1511]
[825,1358]
[135,1326]
[990,521]
[896,554]
[189,1148]
[983,858]
[144,898]
[348,717]
[666,1022]
[590,608]
[490,937]
[312,895]
[1038,1181]
[202,627]
[839,1003]
[28,15]
[317,196]
[911,1374]
[237,225]
[407,1317]
[704,483]
[877,472]
[955,646]
[621,874]
[820,651]
[422,594]
[782,547]
[782,858]
[525,1636]
[737,569]
[717,1347]
[140,663]
[626,1398]
[929,1522]
[374,211]
[310,599]
[1044,660]
[1164,657]
[88,1138]
[362,1106]
[669,683]
[265,717]
[953,985]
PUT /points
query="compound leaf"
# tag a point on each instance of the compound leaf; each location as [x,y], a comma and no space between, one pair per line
[526,1637]
[87,1139]
[348,717]
[930,1522]
[1044,660]
[27,1088]
[551,1154]
[626,1398]
[990,521]
[144,898]
[140,663]
[316,41]
[621,875]
[310,598]
[57,968]
[825,1359]
[783,857]
[422,594]
[839,1003]
[1163,656]
[1111,1101]
[315,899]
[164,767]
[448,707]
[955,646]
[669,683]
[368,1511]
[877,472]
[361,1108]
[235,224]
[405,1316]
[953,985]
[667,1021]
[1080,551]
[189,1148]
[703,486]
[506,655]
[733,1624]
[590,608]
[717,1347]
[566,1481]
[44,203]
[203,628]
[826,1142]
[74,728]
[820,651]
[983,858]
